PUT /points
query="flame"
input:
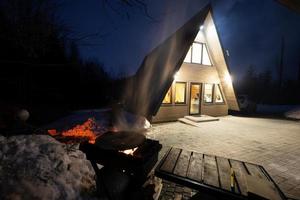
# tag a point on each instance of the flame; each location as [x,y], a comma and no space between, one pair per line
[129,151]
[85,130]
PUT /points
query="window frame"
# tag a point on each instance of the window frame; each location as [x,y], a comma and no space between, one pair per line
[223,102]
[201,53]
[201,63]
[212,93]
[208,55]
[171,97]
[185,88]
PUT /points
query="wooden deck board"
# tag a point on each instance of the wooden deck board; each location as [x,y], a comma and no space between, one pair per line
[224,173]
[171,160]
[195,167]
[182,163]
[240,172]
[256,171]
[210,174]
[207,172]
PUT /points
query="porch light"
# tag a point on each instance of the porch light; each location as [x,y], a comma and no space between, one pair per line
[201,27]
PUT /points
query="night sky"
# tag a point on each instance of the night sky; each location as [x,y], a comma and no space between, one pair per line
[250,29]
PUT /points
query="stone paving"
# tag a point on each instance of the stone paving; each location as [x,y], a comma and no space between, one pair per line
[174,191]
[272,143]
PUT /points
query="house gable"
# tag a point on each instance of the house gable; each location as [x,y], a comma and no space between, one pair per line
[217,54]
[146,90]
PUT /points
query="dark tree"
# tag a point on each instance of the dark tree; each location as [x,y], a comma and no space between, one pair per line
[41,69]
[298,78]
[31,31]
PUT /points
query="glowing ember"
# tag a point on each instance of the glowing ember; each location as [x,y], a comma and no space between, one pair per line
[53,132]
[82,131]
[129,151]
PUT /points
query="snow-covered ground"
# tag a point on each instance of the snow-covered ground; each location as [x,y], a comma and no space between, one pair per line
[265,108]
[289,111]
[39,167]
[293,113]
[125,121]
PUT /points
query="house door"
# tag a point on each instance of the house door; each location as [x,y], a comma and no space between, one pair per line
[195,98]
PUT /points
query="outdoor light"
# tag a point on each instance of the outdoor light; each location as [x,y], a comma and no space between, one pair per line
[228,78]
[201,27]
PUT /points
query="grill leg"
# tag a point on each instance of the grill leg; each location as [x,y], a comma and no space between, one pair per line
[111,184]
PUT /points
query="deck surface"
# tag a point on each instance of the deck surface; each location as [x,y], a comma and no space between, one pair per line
[215,174]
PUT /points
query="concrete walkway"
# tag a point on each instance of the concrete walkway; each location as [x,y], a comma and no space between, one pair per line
[273,143]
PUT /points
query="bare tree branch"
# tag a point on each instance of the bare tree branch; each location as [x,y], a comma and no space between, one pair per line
[122,10]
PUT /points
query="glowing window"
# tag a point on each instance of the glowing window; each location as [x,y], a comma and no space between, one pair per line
[197,51]
[205,57]
[168,97]
[180,88]
[188,56]
[208,93]
[198,54]
[219,97]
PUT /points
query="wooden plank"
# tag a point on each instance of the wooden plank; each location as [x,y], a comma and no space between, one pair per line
[240,175]
[262,180]
[182,163]
[210,174]
[224,173]
[170,161]
[261,189]
[256,171]
[195,167]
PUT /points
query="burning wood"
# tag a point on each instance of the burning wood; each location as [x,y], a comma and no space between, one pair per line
[87,130]
[129,151]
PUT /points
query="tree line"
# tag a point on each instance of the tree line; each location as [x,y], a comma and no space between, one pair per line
[40,65]
[265,88]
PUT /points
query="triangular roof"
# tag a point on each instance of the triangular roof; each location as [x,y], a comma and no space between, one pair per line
[146,90]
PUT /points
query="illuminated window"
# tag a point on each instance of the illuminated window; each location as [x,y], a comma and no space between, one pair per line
[197,51]
[208,93]
[180,88]
[219,97]
[205,57]
[168,97]
[198,54]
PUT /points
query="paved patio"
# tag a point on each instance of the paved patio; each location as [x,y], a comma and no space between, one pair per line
[273,143]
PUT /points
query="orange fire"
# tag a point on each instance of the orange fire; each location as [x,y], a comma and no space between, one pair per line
[85,130]
[53,132]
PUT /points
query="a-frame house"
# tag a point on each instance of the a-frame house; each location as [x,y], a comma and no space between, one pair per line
[187,74]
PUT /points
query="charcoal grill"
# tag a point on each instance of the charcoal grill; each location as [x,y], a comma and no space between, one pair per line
[123,174]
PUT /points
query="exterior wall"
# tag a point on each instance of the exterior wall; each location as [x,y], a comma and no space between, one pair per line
[192,73]
[195,73]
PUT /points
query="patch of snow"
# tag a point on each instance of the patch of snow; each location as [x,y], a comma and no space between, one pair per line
[273,109]
[39,167]
[293,113]
[125,121]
